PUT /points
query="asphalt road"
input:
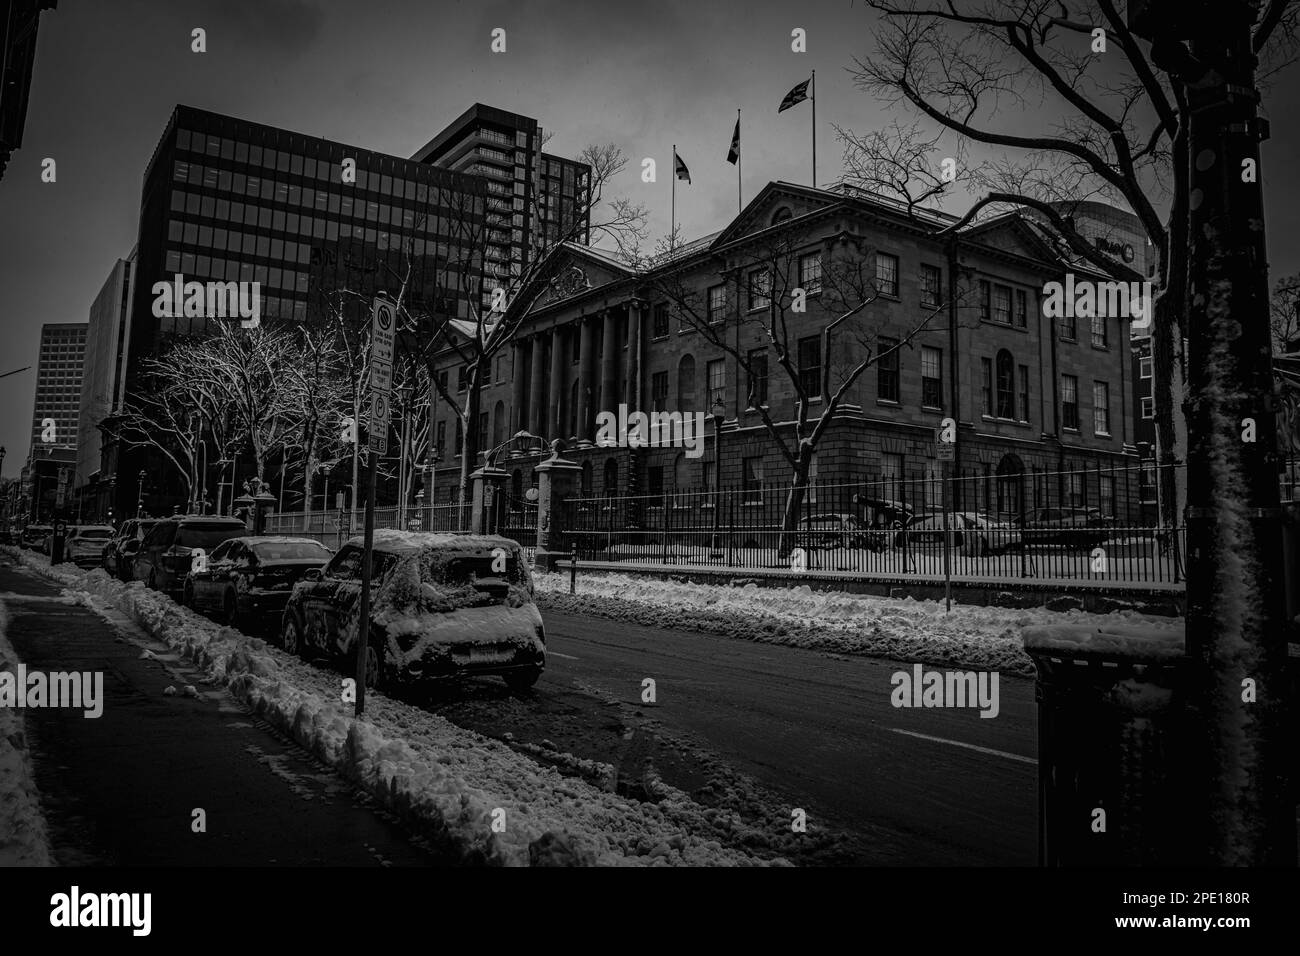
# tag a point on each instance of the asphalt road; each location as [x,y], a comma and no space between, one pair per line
[120,790]
[905,786]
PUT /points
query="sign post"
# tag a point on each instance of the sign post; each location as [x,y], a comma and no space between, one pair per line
[945,449]
[382,337]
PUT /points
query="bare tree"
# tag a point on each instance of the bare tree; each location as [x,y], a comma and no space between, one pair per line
[1119,134]
[318,399]
[1284,313]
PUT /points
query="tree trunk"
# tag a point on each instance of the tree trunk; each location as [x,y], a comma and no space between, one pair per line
[794,501]
[470,449]
[1236,620]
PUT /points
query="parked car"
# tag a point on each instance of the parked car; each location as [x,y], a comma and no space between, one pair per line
[880,513]
[972,533]
[248,579]
[443,606]
[117,557]
[168,551]
[85,544]
[35,536]
[1081,528]
[837,531]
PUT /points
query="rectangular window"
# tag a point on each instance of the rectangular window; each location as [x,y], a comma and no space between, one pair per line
[752,479]
[462,378]
[1100,408]
[886,274]
[931,285]
[810,366]
[1001,305]
[1148,409]
[1106,496]
[760,289]
[756,386]
[891,475]
[655,480]
[1022,308]
[1074,489]
[659,391]
[1070,402]
[716,376]
[1099,331]
[986,300]
[717,303]
[1069,330]
[810,273]
[659,326]
[1024,393]
[887,370]
[986,386]
[1144,367]
[931,377]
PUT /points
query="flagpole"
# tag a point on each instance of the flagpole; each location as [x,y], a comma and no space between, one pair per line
[814,127]
[672,225]
[740,161]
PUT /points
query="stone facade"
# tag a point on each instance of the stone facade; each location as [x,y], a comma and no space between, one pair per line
[606,335]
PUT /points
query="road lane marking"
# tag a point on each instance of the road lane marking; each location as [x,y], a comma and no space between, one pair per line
[958,743]
[567,657]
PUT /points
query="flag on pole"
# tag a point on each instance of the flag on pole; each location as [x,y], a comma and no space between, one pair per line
[679,168]
[795,96]
[733,154]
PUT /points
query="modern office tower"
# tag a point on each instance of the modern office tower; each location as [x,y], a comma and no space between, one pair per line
[58,385]
[19,20]
[103,384]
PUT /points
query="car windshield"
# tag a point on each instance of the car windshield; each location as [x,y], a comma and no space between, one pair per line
[288,550]
[206,536]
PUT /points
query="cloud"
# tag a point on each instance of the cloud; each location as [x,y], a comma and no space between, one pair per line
[288,27]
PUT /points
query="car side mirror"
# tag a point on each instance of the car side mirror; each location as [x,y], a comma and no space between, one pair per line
[131,547]
[311,574]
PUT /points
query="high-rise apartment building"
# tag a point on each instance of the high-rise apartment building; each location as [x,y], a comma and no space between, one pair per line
[532,196]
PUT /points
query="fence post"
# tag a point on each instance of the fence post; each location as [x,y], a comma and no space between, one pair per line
[663,545]
[731,525]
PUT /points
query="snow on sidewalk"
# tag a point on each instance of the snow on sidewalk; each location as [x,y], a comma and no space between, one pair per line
[901,629]
[447,779]
[24,840]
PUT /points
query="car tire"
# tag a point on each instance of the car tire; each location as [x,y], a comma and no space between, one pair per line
[522,681]
[230,611]
[374,667]
[290,636]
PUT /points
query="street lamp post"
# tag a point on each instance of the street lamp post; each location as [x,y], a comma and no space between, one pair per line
[719,413]
[139,496]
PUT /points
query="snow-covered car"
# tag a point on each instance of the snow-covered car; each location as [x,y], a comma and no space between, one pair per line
[119,553]
[34,537]
[442,606]
[167,552]
[85,544]
[249,579]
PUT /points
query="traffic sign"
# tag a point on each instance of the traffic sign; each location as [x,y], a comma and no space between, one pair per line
[378,443]
[381,377]
[377,424]
[383,330]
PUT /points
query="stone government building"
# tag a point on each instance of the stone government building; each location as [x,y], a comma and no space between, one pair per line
[1030,393]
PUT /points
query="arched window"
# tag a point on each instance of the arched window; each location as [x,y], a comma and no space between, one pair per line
[611,477]
[681,472]
[781,215]
[498,423]
[686,383]
[1006,392]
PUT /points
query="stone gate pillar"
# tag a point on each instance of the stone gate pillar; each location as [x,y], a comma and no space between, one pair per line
[557,480]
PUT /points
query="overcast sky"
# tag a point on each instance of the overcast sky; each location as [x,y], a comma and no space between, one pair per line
[388,74]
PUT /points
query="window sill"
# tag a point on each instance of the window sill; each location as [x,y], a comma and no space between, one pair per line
[1072,341]
[653,338]
[687,331]
[932,409]
[1067,428]
[1100,348]
[1107,435]
[888,403]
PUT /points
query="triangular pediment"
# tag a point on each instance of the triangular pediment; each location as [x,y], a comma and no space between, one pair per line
[774,204]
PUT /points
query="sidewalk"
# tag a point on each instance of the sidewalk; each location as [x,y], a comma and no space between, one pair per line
[120,790]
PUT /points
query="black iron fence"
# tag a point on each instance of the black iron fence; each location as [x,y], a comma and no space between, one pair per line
[1086,524]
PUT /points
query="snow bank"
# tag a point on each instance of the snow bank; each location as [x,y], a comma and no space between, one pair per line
[451,782]
[971,636]
[24,840]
